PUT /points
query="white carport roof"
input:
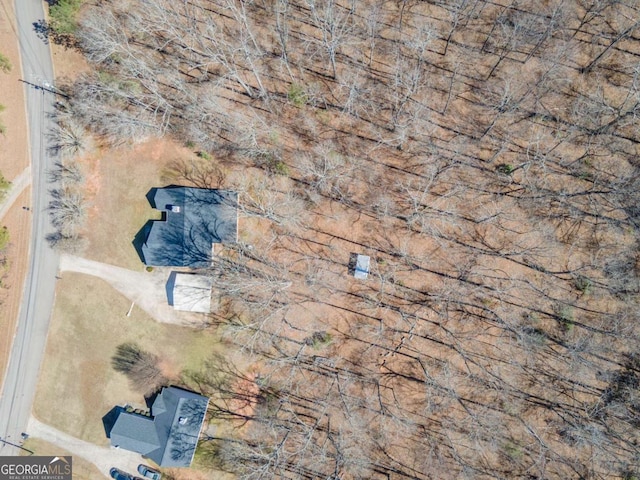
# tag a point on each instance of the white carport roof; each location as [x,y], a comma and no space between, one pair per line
[192,293]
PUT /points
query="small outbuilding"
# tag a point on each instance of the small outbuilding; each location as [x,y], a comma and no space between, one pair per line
[190,293]
[359,266]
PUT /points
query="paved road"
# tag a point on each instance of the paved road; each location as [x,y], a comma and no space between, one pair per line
[33,323]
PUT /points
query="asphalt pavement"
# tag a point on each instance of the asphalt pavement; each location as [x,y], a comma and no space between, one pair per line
[27,352]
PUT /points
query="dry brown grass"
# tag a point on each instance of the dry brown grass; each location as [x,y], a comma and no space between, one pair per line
[82,469]
[78,384]
[14,151]
[117,183]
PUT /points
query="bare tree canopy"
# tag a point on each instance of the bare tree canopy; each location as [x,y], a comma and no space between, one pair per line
[140,366]
[483,154]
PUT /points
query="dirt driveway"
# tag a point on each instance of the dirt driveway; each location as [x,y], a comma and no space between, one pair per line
[146,289]
[18,185]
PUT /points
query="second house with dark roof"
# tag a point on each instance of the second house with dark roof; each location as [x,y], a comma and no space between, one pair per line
[169,435]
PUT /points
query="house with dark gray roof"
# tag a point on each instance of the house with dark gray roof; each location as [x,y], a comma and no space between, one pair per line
[169,435]
[193,219]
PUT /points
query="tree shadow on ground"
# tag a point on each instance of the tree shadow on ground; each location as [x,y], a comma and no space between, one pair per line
[47,34]
[353,260]
[42,29]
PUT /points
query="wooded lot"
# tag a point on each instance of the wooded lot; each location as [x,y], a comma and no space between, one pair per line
[485,155]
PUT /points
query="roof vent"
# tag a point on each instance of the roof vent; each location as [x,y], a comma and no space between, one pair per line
[183,420]
[174,208]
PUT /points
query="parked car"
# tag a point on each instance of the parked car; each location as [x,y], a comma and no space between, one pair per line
[149,472]
[120,475]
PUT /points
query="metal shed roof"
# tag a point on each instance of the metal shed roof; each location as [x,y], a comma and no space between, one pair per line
[361,270]
[192,293]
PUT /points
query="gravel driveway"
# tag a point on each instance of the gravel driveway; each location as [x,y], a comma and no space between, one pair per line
[102,457]
[146,289]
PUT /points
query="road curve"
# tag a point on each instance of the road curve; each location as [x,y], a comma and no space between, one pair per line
[35,311]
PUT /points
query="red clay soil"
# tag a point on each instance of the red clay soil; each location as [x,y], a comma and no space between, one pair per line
[14,158]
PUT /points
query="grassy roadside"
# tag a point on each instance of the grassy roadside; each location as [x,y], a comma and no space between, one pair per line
[14,158]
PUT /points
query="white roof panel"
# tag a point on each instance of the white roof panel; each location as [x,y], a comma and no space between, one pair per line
[192,293]
[362,267]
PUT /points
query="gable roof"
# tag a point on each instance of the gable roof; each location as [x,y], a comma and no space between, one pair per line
[135,432]
[179,426]
[170,436]
[193,220]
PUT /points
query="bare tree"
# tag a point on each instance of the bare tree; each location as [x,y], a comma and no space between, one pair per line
[199,171]
[69,138]
[328,171]
[67,210]
[493,184]
[139,366]
[272,199]
[335,24]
